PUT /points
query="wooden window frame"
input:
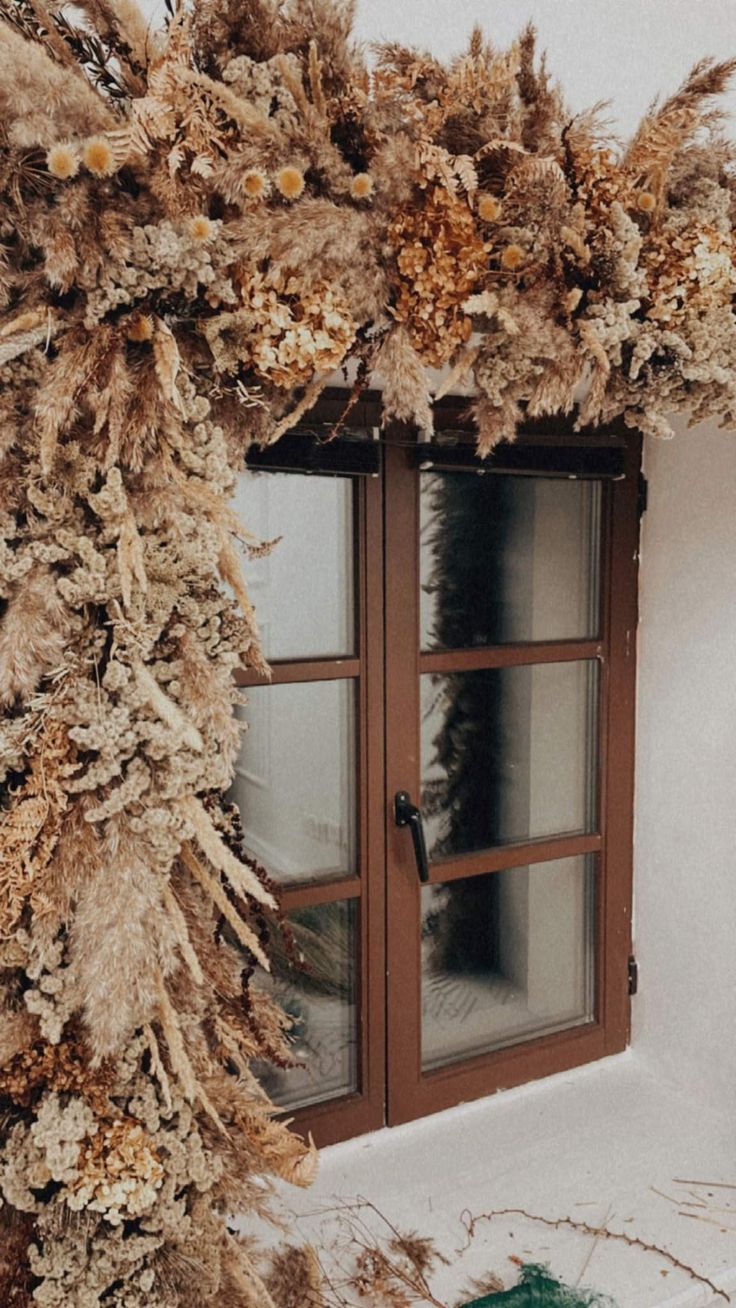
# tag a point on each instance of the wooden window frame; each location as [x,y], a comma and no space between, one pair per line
[391,1086]
[362,1110]
[413,1093]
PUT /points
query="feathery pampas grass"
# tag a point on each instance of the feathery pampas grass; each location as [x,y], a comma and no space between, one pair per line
[199,223]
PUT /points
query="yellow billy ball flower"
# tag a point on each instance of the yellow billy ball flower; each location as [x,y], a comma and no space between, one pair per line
[140,327]
[489,208]
[361,187]
[98,157]
[200,228]
[255,184]
[290,181]
[62,161]
[646,202]
[512,257]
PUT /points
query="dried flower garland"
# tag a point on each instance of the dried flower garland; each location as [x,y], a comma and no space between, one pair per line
[197,226]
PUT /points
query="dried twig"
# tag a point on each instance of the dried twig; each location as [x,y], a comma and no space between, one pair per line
[470,1222]
[711,1185]
[712,1221]
[378,1264]
[593,1247]
[670,1198]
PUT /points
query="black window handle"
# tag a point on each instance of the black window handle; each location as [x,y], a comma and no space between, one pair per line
[407,814]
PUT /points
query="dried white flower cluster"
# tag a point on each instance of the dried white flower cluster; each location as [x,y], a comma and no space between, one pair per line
[197,226]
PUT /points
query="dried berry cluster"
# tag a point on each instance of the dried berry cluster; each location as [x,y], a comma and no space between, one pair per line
[197,226]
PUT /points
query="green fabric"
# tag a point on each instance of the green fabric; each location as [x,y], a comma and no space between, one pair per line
[538,1289]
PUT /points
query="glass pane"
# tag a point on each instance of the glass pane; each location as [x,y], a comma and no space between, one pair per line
[508,754]
[507,559]
[507,957]
[317,988]
[303,591]
[295,779]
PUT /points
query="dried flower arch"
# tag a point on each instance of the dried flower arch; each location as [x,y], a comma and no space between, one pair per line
[198,226]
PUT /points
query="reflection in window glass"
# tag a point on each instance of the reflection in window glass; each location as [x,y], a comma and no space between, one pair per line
[508,754]
[317,990]
[508,559]
[507,957]
[313,562]
[295,779]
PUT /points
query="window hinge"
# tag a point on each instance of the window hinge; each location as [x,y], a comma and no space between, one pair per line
[633,976]
[642,499]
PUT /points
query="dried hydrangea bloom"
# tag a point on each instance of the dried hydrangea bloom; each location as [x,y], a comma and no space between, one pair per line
[440,257]
[118,1172]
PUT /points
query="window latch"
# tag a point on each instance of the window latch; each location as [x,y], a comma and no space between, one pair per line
[407,814]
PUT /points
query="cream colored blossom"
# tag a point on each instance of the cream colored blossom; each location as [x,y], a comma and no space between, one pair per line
[118,1172]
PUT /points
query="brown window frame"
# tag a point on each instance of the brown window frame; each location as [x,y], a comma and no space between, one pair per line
[362,1110]
[391,1086]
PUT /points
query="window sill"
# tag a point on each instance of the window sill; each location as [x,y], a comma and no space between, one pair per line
[602,1145]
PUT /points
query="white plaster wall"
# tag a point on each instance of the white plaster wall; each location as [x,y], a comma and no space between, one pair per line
[685,903]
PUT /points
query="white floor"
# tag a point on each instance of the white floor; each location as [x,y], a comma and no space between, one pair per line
[606,1144]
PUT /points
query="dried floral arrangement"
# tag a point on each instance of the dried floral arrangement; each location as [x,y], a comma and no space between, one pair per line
[198,225]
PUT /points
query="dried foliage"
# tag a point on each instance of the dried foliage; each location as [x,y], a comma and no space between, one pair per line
[197,225]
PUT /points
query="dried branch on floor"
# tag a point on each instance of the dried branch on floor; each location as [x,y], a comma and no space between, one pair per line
[472,1220]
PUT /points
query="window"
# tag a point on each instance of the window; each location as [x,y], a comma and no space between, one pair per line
[460,635]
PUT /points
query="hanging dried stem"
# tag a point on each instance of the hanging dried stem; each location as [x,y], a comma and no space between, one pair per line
[242,880]
[180,1061]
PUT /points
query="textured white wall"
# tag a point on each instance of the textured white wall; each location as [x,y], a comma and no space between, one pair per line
[685,907]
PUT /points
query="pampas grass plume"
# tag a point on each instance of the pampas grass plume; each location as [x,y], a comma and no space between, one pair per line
[290,182]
